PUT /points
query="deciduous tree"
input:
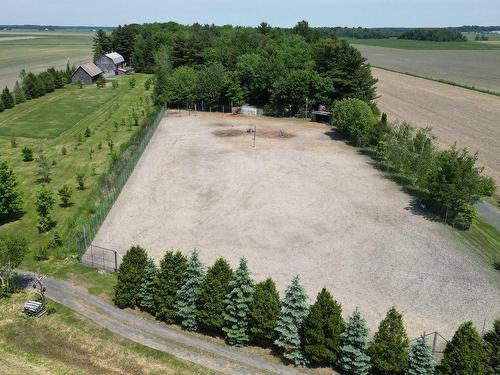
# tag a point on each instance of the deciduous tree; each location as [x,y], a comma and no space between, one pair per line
[11,200]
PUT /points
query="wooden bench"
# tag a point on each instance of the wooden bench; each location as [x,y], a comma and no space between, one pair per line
[34,308]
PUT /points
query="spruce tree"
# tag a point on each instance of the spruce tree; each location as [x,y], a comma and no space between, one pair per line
[264,313]
[492,340]
[389,351]
[11,200]
[420,361]
[465,354]
[322,329]
[213,291]
[7,98]
[168,281]
[2,106]
[146,290]
[19,96]
[237,306]
[294,309]
[187,296]
[354,358]
[130,276]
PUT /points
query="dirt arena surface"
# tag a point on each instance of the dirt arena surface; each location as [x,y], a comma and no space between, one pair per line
[469,118]
[300,204]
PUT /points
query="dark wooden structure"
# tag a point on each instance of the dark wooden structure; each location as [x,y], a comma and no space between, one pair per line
[110,62]
[87,73]
[321,116]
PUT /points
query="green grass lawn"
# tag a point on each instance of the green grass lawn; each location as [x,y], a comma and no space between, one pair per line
[61,118]
[422,45]
[485,239]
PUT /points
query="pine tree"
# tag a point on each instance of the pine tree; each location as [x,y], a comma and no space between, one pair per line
[389,351]
[354,359]
[213,291]
[7,98]
[264,313]
[146,290]
[465,354]
[187,296]
[19,93]
[492,339]
[168,281]
[11,200]
[2,106]
[294,309]
[237,306]
[130,275]
[322,329]
[420,361]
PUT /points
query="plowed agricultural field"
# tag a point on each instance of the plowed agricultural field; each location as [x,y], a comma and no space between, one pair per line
[469,118]
[299,203]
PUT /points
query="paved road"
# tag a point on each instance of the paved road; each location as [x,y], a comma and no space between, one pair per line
[156,335]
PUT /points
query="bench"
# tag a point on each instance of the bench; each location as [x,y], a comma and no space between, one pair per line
[34,308]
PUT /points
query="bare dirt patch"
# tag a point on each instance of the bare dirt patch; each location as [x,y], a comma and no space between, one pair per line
[276,134]
[469,118]
[228,132]
[310,206]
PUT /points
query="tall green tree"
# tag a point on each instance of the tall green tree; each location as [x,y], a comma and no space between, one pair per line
[168,281]
[143,55]
[294,310]
[7,98]
[101,44]
[237,306]
[389,350]
[11,200]
[264,312]
[421,360]
[354,118]
[181,86]
[147,287]
[354,358]
[492,340]
[12,252]
[213,291]
[322,329]
[465,354]
[130,276]
[44,204]
[187,296]
[211,84]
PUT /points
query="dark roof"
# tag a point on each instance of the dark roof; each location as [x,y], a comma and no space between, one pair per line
[91,69]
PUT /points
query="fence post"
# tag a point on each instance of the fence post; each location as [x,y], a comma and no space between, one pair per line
[116,262]
[434,342]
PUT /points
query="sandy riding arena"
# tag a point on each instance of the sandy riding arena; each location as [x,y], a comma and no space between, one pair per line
[299,202]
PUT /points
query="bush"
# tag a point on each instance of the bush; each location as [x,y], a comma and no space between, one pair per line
[44,204]
[80,180]
[65,193]
[41,253]
[130,276]
[114,84]
[132,82]
[355,119]
[27,153]
[464,217]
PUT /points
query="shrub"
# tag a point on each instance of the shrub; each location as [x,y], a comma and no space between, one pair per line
[114,84]
[44,204]
[80,179]
[65,193]
[389,351]
[11,199]
[27,153]
[87,133]
[132,82]
[354,118]
[264,313]
[465,354]
[168,281]
[213,290]
[464,217]
[322,329]
[13,142]
[147,84]
[41,253]
[43,168]
[237,306]
[354,358]
[130,276]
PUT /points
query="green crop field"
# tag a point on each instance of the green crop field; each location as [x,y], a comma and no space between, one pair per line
[38,51]
[423,45]
[59,120]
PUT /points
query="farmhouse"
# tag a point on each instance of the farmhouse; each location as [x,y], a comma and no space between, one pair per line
[87,73]
[110,62]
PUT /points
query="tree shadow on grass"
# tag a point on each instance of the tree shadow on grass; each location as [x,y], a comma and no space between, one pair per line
[4,219]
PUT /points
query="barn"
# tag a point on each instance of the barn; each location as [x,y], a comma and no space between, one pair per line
[87,73]
[110,62]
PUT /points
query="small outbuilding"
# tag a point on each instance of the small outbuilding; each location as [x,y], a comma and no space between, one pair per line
[87,73]
[110,62]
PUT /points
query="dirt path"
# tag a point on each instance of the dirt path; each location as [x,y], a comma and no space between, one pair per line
[159,336]
[469,118]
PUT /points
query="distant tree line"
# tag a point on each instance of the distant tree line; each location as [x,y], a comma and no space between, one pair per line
[435,35]
[225,302]
[282,70]
[34,85]
[360,32]
[447,181]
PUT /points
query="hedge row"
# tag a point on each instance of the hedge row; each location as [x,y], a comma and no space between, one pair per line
[220,301]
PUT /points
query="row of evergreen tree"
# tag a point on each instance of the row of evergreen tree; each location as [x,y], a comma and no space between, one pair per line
[35,85]
[220,301]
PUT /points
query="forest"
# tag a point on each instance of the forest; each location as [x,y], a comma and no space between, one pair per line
[281,70]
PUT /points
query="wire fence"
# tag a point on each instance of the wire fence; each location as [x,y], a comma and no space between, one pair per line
[82,232]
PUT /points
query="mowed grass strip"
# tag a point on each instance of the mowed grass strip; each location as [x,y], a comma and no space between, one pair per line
[66,343]
[49,116]
[485,239]
[422,44]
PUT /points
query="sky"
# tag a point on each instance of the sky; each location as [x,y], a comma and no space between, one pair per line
[283,13]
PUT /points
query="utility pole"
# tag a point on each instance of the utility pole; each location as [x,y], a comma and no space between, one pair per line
[254,133]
